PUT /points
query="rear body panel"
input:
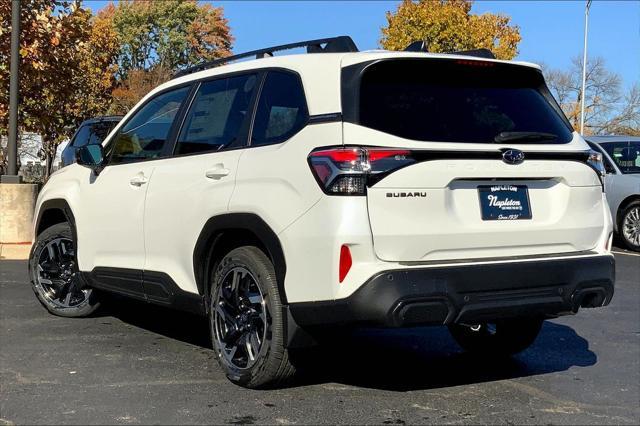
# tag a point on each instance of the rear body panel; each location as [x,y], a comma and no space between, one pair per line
[460,200]
[430,211]
[443,220]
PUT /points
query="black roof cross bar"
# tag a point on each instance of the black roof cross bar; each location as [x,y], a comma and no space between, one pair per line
[340,44]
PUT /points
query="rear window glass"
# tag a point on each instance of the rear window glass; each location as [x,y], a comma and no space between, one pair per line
[458,101]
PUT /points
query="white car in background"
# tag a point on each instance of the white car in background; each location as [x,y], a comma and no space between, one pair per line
[622,184]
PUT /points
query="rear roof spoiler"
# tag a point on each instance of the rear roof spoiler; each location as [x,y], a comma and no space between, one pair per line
[422,46]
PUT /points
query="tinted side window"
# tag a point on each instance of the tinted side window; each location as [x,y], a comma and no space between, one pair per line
[145,134]
[82,137]
[216,115]
[625,154]
[282,109]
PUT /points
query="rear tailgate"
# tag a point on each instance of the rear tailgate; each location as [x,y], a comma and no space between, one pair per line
[432,210]
[458,198]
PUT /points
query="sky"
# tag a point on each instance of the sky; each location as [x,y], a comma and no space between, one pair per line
[552,31]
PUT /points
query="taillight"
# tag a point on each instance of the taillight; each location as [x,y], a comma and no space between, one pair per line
[596,162]
[349,170]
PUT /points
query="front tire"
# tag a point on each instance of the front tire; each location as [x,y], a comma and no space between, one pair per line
[247,325]
[55,280]
[503,338]
[630,226]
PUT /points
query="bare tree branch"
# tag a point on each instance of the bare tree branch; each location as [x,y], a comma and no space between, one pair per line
[607,109]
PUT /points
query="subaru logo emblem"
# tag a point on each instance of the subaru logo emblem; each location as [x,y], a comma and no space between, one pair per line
[513,156]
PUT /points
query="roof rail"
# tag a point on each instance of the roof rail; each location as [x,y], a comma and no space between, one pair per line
[338,44]
[422,46]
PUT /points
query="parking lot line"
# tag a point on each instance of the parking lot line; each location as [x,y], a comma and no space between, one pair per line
[626,253]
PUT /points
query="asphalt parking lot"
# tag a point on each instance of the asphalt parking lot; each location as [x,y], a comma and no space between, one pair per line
[136,363]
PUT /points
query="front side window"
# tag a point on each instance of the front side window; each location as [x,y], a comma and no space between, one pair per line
[282,109]
[145,134]
[626,155]
[216,116]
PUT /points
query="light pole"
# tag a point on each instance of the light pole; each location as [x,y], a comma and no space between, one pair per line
[12,146]
[584,65]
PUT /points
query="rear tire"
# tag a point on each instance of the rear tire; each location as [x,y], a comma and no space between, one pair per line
[629,227]
[503,338]
[246,321]
[53,269]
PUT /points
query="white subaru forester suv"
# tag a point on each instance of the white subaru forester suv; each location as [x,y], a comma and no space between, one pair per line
[289,195]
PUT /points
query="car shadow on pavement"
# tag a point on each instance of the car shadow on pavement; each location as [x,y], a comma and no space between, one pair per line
[177,325]
[429,358]
[387,359]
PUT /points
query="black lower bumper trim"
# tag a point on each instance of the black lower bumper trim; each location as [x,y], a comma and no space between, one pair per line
[469,294]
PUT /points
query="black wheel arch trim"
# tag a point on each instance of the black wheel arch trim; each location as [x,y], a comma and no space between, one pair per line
[211,232]
[62,205]
[55,204]
[58,204]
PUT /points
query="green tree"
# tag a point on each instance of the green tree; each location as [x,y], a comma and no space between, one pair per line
[157,38]
[170,34]
[96,80]
[449,25]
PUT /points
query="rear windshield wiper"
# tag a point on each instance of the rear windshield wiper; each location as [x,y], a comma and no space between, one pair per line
[524,136]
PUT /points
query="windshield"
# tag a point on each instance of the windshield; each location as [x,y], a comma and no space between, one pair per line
[460,101]
[626,155]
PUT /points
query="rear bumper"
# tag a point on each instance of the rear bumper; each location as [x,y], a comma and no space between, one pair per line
[469,294]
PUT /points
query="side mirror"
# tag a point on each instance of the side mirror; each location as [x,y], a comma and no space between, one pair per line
[91,156]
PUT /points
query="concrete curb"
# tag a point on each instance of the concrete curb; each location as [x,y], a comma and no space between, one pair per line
[15,251]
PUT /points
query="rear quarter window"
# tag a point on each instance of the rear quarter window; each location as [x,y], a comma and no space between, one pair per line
[282,109]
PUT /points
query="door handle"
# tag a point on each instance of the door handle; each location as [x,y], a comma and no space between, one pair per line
[138,180]
[217,172]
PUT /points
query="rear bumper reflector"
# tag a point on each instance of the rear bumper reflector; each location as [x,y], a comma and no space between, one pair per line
[345,262]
